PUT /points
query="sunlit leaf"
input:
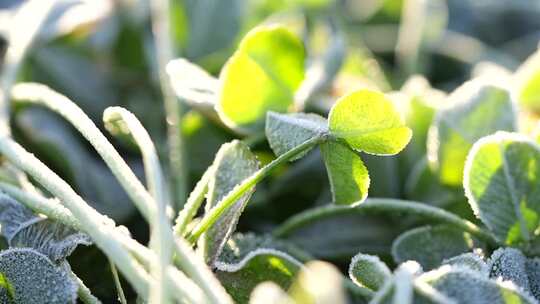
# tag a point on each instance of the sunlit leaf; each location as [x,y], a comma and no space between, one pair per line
[369,122]
[234,162]
[501,178]
[262,75]
[34,279]
[318,282]
[429,246]
[286,131]
[474,110]
[368,271]
[528,82]
[349,178]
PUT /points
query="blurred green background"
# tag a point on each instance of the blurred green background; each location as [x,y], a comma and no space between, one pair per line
[100,53]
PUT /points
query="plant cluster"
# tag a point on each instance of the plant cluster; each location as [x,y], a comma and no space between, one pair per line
[464,228]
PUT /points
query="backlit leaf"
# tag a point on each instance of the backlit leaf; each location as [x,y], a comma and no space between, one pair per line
[501,183]
[349,178]
[474,110]
[528,82]
[369,122]
[262,75]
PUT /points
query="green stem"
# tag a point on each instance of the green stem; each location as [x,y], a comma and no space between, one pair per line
[213,215]
[84,293]
[164,50]
[384,205]
[116,279]
[193,203]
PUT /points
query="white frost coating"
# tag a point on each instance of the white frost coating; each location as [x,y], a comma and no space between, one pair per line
[509,264]
[381,272]
[496,138]
[234,267]
[470,260]
[35,279]
[234,162]
[41,94]
[286,131]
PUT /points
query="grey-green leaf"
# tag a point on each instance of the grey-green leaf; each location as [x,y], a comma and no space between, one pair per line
[368,271]
[501,184]
[430,245]
[23,229]
[469,260]
[234,162]
[532,266]
[474,110]
[241,268]
[509,264]
[349,177]
[287,131]
[33,278]
[466,286]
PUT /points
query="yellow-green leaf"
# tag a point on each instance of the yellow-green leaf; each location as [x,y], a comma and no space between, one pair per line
[262,75]
[369,122]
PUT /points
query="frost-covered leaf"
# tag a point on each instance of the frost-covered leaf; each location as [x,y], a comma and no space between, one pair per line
[532,266]
[369,122]
[234,162]
[474,110]
[430,245]
[466,286]
[528,82]
[469,260]
[501,183]
[53,239]
[349,177]
[262,75]
[33,278]
[22,228]
[339,233]
[243,265]
[509,264]
[286,131]
[368,271]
